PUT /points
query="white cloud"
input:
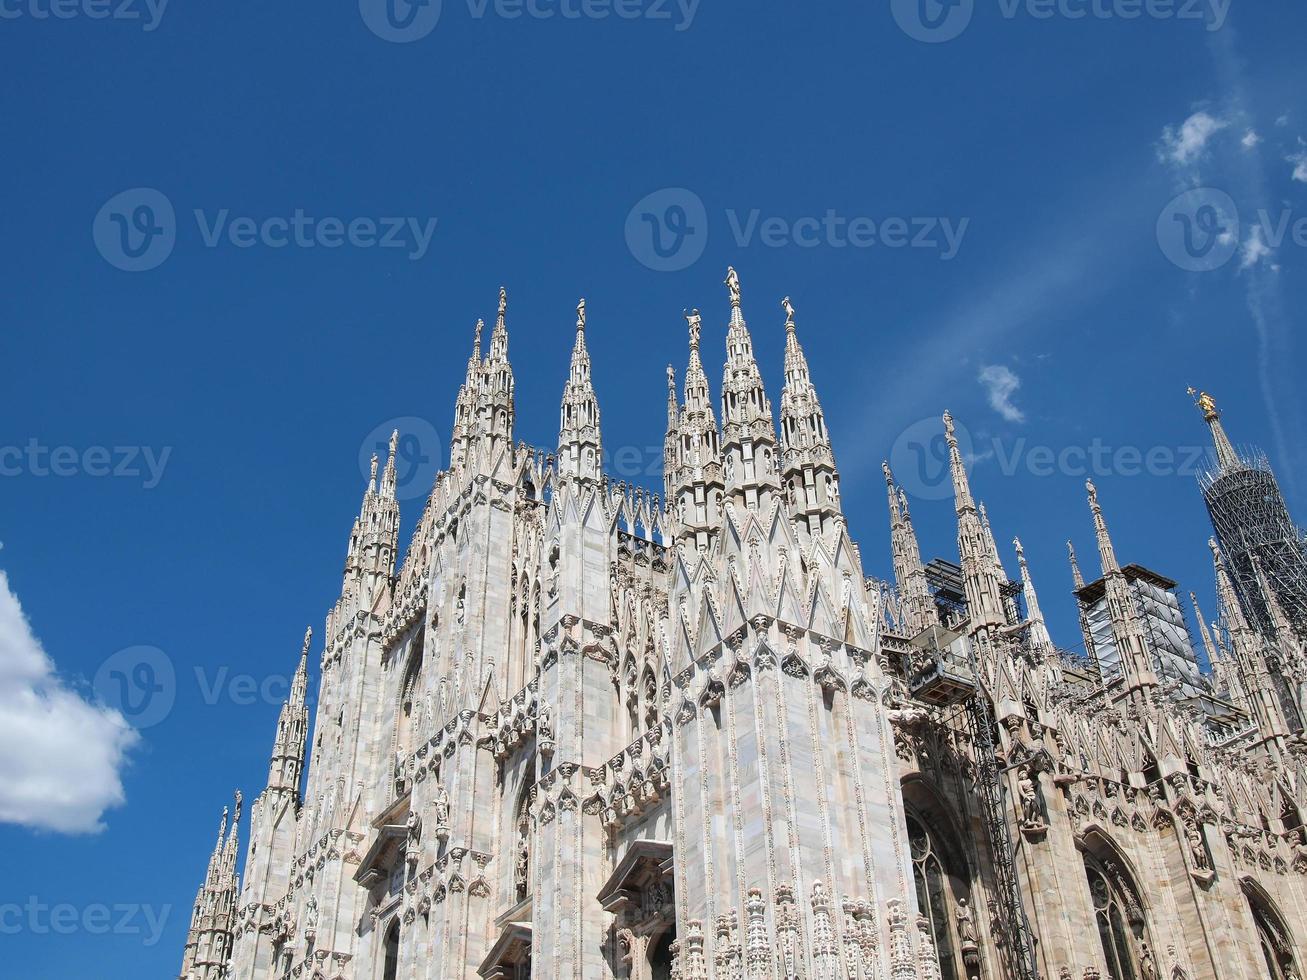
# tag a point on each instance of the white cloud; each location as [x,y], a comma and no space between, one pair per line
[1250,139]
[1000,382]
[1254,249]
[1283,120]
[1299,161]
[60,769]
[1185,145]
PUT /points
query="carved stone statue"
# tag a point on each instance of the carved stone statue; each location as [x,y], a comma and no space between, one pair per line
[1147,968]
[695,322]
[311,915]
[544,726]
[1197,849]
[788,307]
[966,923]
[414,825]
[441,805]
[1030,815]
[522,867]
[733,285]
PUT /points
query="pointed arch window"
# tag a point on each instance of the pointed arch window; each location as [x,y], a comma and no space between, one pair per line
[938,895]
[390,955]
[1119,919]
[1273,937]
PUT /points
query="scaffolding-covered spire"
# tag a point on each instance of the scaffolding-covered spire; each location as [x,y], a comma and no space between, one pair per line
[1226,457]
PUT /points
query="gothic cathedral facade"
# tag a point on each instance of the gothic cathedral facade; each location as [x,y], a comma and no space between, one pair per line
[587,731]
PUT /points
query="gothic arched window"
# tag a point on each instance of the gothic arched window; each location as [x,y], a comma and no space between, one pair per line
[937,897]
[1119,918]
[1277,950]
[390,964]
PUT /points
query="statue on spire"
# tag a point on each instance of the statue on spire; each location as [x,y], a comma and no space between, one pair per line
[788,307]
[695,322]
[1206,404]
[503,302]
[733,285]
[580,315]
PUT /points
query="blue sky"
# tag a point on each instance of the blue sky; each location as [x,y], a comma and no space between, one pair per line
[234,386]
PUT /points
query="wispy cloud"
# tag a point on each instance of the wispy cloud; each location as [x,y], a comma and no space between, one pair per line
[1000,383]
[63,755]
[1250,139]
[1299,161]
[1186,144]
[1254,249]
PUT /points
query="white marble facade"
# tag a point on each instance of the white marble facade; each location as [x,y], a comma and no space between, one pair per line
[588,731]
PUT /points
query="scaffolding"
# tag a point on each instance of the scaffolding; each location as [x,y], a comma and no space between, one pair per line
[1250,518]
[942,671]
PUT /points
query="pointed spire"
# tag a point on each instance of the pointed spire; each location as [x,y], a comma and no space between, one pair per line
[579,450]
[1106,553]
[287,763]
[1281,627]
[671,398]
[1076,577]
[961,487]
[1040,639]
[807,460]
[1226,457]
[692,461]
[388,477]
[909,575]
[748,437]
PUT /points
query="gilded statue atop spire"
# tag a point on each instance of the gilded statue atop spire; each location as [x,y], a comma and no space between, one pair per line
[733,285]
[1206,404]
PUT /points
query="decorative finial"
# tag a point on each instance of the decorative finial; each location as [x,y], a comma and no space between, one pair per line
[580,315]
[948,425]
[733,285]
[1016,543]
[308,639]
[889,475]
[394,442]
[476,344]
[372,476]
[695,321]
[788,307]
[1093,495]
[671,378]
[503,302]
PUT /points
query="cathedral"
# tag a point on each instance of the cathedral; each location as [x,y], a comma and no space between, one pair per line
[579,729]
